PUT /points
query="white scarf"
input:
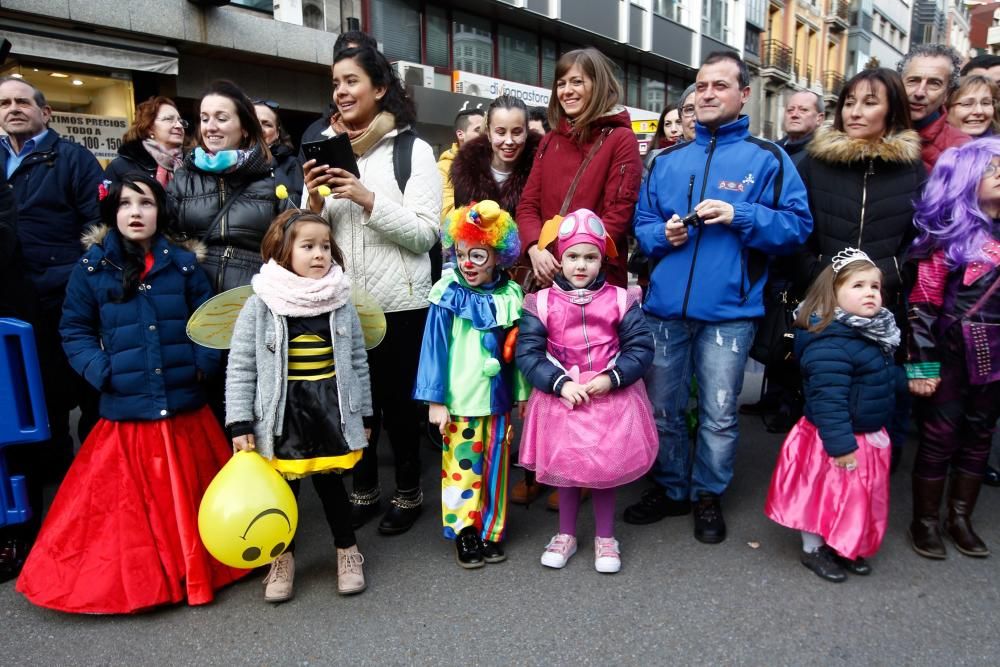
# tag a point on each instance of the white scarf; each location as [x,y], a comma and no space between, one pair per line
[291,295]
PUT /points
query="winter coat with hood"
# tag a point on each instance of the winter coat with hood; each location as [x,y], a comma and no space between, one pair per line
[194,198]
[609,186]
[473,179]
[137,352]
[861,195]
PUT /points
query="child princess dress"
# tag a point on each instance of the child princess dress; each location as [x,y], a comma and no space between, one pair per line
[609,441]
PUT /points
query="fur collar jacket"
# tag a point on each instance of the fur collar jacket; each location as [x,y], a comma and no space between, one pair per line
[473,179]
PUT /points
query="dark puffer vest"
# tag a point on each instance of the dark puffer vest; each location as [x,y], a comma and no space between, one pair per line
[861,195]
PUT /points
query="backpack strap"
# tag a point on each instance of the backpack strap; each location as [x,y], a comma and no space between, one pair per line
[402,157]
[542,303]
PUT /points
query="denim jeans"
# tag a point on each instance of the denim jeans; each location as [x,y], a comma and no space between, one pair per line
[716,354]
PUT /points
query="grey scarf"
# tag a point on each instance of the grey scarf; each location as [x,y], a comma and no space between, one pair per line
[881,329]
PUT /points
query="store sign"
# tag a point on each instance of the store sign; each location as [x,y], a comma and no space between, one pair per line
[489,87]
[101,135]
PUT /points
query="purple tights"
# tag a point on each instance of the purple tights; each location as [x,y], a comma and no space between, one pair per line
[604,510]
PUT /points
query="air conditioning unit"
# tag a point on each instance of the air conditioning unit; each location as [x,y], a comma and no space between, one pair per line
[288,11]
[414,74]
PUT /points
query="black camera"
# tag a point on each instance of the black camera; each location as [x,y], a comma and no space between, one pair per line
[691,220]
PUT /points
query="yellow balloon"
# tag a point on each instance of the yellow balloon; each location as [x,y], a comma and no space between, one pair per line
[248,514]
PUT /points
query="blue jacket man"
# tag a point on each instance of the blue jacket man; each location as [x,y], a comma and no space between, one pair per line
[706,285]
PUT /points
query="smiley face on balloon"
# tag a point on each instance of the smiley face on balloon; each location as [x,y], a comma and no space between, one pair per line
[248,514]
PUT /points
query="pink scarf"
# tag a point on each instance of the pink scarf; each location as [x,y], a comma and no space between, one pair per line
[291,295]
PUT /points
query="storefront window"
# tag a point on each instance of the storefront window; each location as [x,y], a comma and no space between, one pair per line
[632,88]
[437,36]
[518,55]
[653,93]
[472,44]
[88,109]
[396,24]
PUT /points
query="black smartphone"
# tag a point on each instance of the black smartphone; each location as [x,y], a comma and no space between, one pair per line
[333,152]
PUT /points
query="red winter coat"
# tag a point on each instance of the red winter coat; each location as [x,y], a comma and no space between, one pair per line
[938,137]
[609,186]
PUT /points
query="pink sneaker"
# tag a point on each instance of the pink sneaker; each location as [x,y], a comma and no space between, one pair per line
[558,551]
[607,556]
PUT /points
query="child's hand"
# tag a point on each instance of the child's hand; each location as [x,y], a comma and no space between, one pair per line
[924,387]
[574,393]
[599,385]
[243,443]
[847,461]
[522,409]
[438,415]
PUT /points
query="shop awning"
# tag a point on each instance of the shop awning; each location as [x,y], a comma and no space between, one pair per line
[101,50]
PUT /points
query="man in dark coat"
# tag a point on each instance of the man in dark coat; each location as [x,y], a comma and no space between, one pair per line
[55,185]
[804,112]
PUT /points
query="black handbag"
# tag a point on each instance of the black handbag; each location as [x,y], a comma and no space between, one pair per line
[775,338]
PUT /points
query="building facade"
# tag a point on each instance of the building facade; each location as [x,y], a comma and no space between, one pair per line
[98,58]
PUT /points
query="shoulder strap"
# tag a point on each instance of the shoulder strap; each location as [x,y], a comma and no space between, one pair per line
[984,298]
[542,302]
[233,196]
[402,157]
[564,209]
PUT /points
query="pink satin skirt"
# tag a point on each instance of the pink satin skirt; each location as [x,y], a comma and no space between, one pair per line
[848,508]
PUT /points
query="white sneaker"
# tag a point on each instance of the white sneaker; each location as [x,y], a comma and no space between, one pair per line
[607,556]
[559,550]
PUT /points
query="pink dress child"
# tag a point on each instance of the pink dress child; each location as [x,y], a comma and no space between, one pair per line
[575,333]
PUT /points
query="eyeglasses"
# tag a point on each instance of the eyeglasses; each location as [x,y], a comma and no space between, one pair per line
[967,103]
[992,169]
[687,111]
[173,120]
[270,104]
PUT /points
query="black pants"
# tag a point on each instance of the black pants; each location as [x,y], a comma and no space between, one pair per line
[393,368]
[336,505]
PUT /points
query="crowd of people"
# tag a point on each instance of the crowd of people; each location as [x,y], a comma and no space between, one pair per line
[857,258]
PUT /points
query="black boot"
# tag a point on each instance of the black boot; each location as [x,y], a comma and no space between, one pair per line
[365,506]
[404,509]
[925,529]
[961,502]
[469,549]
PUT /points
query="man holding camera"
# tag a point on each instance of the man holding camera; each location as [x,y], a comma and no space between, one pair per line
[709,214]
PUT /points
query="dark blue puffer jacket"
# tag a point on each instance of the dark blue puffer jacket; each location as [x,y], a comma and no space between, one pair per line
[850,385]
[137,353]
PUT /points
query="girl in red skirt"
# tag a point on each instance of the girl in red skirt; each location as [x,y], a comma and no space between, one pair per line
[831,481]
[122,533]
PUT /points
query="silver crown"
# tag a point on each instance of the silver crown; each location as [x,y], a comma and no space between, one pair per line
[848,255]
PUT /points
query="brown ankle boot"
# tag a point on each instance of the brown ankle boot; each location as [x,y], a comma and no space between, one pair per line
[925,529]
[961,502]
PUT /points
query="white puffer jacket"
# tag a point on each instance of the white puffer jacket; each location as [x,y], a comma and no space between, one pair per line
[386,252]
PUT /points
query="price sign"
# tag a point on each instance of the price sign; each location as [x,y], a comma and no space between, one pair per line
[101,135]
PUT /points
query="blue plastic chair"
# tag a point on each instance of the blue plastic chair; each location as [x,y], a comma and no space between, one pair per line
[23,417]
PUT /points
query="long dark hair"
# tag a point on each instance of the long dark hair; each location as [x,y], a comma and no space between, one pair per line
[605,94]
[897,118]
[132,253]
[381,73]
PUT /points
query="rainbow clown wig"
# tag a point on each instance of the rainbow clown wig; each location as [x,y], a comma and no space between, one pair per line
[483,224]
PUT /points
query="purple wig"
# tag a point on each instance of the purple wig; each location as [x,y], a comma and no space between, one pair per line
[948,216]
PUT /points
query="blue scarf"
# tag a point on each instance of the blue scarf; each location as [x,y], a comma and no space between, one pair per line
[221,162]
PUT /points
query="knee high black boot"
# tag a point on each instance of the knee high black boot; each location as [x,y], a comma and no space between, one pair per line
[961,502]
[925,529]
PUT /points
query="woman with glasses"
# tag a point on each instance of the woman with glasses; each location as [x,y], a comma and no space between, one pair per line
[289,169]
[972,108]
[153,144]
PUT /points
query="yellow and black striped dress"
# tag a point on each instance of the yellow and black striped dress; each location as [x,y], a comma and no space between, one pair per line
[312,440]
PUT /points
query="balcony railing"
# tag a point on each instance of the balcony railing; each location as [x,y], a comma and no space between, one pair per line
[833,83]
[776,56]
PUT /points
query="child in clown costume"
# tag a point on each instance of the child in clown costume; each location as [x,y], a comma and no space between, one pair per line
[584,345]
[468,378]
